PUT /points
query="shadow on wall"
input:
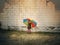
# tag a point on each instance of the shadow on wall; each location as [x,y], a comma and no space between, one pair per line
[2,3]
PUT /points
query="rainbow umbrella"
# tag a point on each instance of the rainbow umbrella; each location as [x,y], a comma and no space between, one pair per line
[33,23]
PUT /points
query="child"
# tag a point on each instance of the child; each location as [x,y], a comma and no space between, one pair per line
[29,26]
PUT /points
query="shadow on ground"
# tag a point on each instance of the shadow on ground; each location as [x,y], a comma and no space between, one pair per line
[24,38]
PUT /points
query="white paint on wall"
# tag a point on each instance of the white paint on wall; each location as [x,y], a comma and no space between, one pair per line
[34,9]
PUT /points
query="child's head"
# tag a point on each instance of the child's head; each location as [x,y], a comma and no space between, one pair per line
[29,21]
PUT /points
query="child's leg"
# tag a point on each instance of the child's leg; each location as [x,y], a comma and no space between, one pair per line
[29,31]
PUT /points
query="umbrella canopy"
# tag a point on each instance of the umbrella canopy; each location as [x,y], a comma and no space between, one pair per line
[33,23]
